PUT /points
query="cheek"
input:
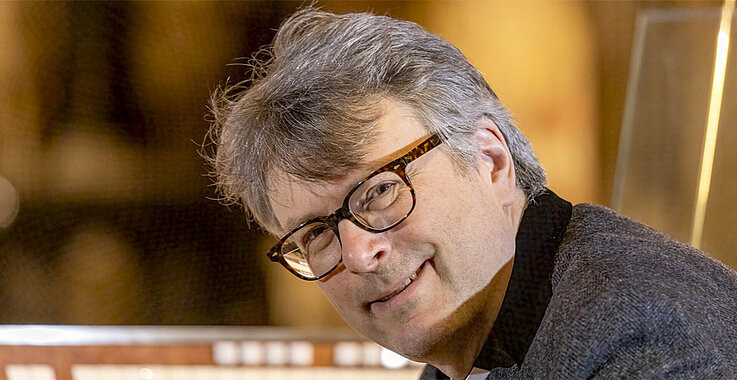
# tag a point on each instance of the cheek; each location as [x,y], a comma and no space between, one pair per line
[474,237]
[455,206]
[336,290]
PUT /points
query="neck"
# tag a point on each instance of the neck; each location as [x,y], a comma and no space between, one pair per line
[458,353]
[518,208]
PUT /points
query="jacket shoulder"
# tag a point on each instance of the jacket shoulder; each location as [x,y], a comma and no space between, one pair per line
[598,238]
[630,301]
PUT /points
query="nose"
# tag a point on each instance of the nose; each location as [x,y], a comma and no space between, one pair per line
[362,250]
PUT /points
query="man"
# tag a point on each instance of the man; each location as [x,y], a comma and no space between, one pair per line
[395,179]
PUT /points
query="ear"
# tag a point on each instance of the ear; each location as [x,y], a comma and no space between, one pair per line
[496,159]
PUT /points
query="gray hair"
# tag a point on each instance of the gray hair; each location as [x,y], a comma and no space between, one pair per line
[309,108]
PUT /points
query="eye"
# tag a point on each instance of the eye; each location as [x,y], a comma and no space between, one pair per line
[380,189]
[377,194]
[317,238]
[380,196]
[313,233]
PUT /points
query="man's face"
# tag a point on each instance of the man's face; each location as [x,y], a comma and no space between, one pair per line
[456,240]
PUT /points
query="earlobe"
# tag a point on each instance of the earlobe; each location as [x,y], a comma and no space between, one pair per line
[495,155]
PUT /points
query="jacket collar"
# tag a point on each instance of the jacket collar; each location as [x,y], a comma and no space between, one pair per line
[529,290]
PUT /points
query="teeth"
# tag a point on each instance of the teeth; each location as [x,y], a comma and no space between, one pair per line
[404,285]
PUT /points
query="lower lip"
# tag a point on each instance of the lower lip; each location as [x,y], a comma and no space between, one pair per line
[406,294]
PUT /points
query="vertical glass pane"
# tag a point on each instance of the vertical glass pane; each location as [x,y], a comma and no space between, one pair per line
[664,129]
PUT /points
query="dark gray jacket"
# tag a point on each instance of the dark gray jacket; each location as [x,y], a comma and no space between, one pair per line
[629,302]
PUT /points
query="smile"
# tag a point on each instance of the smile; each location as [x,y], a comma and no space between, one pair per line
[404,285]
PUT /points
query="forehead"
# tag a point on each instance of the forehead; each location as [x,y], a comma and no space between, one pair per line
[294,201]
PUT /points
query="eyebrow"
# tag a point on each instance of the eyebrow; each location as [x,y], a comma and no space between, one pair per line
[293,223]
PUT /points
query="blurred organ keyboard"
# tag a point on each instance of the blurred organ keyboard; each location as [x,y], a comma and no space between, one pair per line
[34,352]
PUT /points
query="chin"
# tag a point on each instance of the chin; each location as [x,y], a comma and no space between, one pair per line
[430,341]
[417,348]
[421,340]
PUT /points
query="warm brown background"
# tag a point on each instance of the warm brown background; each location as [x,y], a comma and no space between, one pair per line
[102,108]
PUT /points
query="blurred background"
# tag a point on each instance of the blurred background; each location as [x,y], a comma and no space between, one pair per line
[107,217]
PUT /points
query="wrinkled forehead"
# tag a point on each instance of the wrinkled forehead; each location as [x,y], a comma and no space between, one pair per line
[294,200]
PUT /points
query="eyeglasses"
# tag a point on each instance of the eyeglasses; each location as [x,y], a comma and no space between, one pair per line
[378,203]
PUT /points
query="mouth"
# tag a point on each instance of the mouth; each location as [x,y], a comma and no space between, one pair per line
[404,285]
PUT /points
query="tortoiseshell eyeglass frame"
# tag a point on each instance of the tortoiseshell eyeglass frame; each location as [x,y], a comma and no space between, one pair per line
[397,166]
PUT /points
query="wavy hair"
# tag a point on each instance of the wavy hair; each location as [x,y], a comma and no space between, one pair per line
[309,106]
